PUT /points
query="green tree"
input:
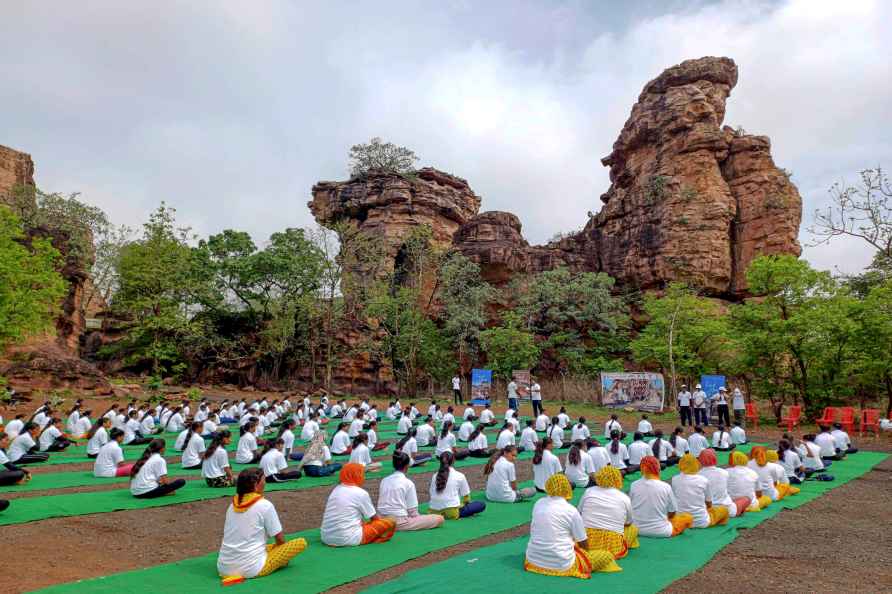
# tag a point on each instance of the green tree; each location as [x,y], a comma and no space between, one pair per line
[376,154]
[31,289]
[509,346]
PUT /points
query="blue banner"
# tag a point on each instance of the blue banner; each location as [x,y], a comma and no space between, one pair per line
[481,385]
[711,384]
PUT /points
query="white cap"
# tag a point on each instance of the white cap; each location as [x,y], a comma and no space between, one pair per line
[722,389]
[697,386]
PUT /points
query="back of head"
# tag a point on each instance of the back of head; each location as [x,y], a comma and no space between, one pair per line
[247,481]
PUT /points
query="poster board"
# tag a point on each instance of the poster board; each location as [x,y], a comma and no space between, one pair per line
[711,384]
[640,390]
[522,379]
[481,386]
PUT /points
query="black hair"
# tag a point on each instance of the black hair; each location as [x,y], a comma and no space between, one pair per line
[270,444]
[672,438]
[491,463]
[657,444]
[156,446]
[581,422]
[193,427]
[115,434]
[637,436]
[412,433]
[614,439]
[247,481]
[573,456]
[401,461]
[360,438]
[445,431]
[285,426]
[76,406]
[698,429]
[529,422]
[475,433]
[218,440]
[247,427]
[101,421]
[540,449]
[446,460]
[341,427]
[170,418]
[782,447]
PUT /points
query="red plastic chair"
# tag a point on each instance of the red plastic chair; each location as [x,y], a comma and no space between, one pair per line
[870,419]
[847,418]
[793,417]
[830,415]
[752,413]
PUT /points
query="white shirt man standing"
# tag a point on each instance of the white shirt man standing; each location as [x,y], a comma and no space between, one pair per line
[684,406]
[536,397]
[701,412]
[512,395]
[456,389]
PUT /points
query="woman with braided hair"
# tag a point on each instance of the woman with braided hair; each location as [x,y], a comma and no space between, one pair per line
[607,514]
[558,544]
[148,477]
[250,521]
[450,492]
[691,491]
[654,507]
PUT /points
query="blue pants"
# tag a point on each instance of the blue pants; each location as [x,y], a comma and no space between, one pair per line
[321,470]
[512,403]
[298,456]
[472,508]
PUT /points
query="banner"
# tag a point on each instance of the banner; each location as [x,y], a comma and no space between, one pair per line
[642,391]
[711,384]
[481,385]
[522,379]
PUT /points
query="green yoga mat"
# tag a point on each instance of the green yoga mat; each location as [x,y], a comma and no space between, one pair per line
[650,568]
[312,571]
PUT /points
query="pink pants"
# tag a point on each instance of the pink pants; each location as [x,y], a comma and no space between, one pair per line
[123,470]
[423,522]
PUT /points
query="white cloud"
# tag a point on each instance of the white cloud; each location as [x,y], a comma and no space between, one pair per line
[232,114]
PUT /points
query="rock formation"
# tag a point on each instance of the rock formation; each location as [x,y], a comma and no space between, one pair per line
[51,361]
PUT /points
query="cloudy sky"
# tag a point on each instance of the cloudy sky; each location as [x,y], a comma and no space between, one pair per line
[230,111]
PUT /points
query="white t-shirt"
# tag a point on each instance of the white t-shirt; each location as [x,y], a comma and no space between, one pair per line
[432,410]
[842,439]
[557,435]
[410,447]
[425,435]
[486,416]
[309,430]
[542,472]
[691,492]
[340,443]
[742,482]
[451,495]
[469,412]
[644,426]
[273,462]
[147,424]
[610,426]
[652,502]
[580,432]
[512,389]
[247,445]
[350,415]
[542,422]
[498,483]
[506,438]
[605,509]
[509,413]
[83,427]
[619,458]
[288,439]
[48,437]
[213,466]
[361,455]
[355,427]
[535,392]
[791,463]
[41,419]
[637,451]
[14,428]
[404,424]
[600,457]
[824,441]
[718,488]
[697,442]
[396,496]
[738,402]
[131,427]
[99,439]
[456,383]
[464,432]
[579,473]
[664,451]
[721,439]
[681,446]
[194,449]
[372,438]
[445,444]
[20,446]
[811,455]
[243,551]
[147,477]
[738,435]
[766,478]
[684,398]
[528,439]
[106,463]
[342,520]
[555,529]
[563,420]
[479,443]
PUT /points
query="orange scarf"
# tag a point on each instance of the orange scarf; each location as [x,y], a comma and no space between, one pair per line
[246,502]
[650,467]
[352,474]
[707,457]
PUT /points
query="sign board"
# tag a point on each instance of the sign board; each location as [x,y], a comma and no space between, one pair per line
[481,386]
[640,390]
[522,379]
[711,384]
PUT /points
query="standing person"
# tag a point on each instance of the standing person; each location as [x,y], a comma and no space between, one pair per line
[512,395]
[700,403]
[536,397]
[456,389]
[398,499]
[684,406]
[721,401]
[250,521]
[738,403]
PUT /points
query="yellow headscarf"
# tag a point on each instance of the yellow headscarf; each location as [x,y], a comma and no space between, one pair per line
[558,485]
[760,455]
[609,477]
[772,455]
[737,459]
[689,464]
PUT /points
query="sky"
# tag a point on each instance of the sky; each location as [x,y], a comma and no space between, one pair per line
[230,111]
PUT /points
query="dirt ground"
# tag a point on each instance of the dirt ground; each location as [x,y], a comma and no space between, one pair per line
[838,543]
